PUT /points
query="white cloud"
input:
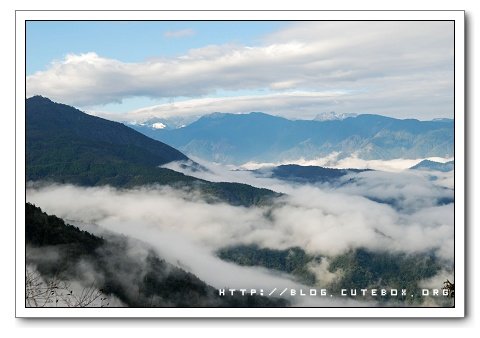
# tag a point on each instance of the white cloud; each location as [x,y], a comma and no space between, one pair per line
[335,160]
[321,219]
[180,33]
[324,219]
[288,104]
[414,212]
[395,68]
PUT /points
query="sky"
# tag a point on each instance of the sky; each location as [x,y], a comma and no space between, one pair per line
[134,71]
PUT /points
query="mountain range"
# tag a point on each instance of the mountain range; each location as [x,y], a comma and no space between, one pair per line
[259,137]
[65,145]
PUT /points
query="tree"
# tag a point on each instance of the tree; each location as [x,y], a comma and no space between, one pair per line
[450,287]
[58,293]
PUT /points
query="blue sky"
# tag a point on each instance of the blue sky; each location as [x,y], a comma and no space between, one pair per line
[133,41]
[138,70]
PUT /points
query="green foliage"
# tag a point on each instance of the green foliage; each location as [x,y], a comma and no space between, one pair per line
[42,229]
[362,268]
[293,260]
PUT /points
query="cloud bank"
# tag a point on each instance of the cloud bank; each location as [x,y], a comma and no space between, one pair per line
[335,160]
[322,220]
[291,104]
[395,68]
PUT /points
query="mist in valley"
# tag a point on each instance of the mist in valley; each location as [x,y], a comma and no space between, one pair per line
[379,211]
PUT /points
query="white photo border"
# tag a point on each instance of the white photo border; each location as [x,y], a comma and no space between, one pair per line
[377,312]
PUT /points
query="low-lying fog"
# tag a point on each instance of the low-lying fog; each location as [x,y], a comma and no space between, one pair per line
[325,219]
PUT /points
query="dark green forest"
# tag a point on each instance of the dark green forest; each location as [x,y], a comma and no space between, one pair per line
[310,174]
[293,260]
[357,269]
[362,268]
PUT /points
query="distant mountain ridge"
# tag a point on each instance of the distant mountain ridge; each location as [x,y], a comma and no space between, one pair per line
[435,166]
[259,137]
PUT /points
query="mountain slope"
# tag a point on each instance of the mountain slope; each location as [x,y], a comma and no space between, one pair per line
[239,138]
[62,122]
[65,145]
[61,251]
[436,166]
